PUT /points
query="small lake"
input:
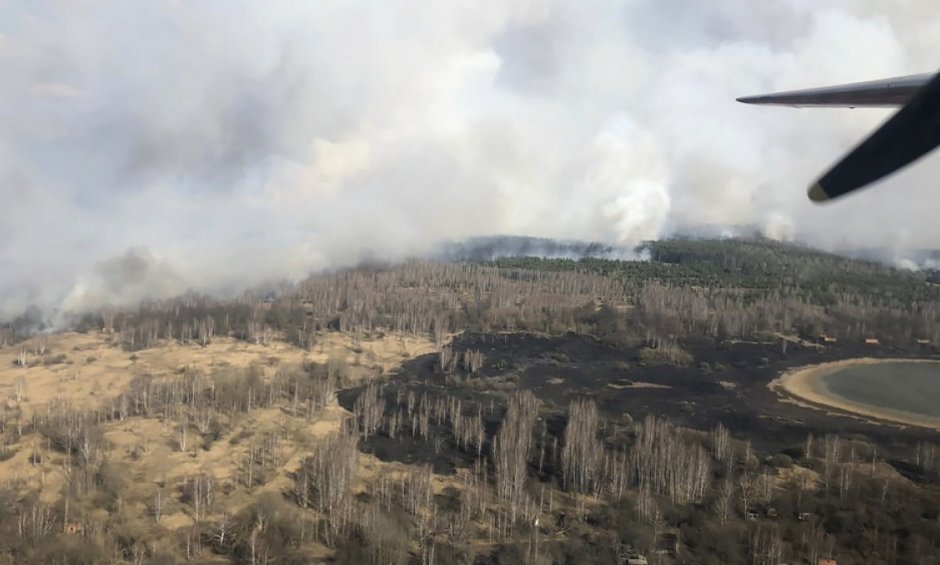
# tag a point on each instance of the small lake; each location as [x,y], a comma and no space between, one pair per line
[901,388]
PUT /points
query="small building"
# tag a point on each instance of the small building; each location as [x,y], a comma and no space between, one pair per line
[803,516]
[827,562]
[923,342]
[872,341]
[772,513]
[637,559]
[827,338]
[752,516]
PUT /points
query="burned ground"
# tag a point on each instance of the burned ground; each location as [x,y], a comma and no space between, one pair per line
[726,384]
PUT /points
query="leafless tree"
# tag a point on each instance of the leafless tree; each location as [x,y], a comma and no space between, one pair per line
[369,409]
[418,499]
[747,455]
[206,330]
[657,523]
[511,449]
[845,480]
[645,503]
[724,503]
[199,490]
[927,457]
[721,444]
[831,452]
[447,360]
[473,360]
[19,388]
[21,359]
[582,455]
[107,318]
[386,541]
[617,473]
[662,459]
[34,522]
[766,546]
[746,491]
[159,502]
[763,487]
[323,479]
[223,531]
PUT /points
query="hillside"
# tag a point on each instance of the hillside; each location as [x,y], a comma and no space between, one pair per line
[519,410]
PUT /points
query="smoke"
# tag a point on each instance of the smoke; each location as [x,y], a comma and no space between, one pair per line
[122,280]
[148,148]
[497,247]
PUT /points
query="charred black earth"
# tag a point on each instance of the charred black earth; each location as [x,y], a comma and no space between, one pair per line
[725,383]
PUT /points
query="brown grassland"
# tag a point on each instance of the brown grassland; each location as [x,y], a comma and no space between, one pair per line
[89,370]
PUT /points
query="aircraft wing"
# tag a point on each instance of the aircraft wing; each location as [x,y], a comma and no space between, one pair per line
[908,135]
[885,93]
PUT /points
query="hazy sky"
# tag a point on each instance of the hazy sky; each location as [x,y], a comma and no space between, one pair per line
[151,146]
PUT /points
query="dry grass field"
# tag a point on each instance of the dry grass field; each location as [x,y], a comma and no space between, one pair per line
[86,372]
[84,368]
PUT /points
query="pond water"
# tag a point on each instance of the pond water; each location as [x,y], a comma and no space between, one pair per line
[899,388]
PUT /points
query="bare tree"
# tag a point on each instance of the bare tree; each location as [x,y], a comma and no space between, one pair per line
[645,503]
[723,505]
[845,480]
[831,449]
[511,449]
[582,454]
[21,359]
[159,502]
[206,330]
[662,459]
[721,443]
[199,490]
[746,491]
[181,427]
[19,388]
[927,457]
[658,524]
[369,410]
[35,522]
[223,531]
[766,546]
[324,478]
[473,360]
[446,360]
[418,499]
[107,319]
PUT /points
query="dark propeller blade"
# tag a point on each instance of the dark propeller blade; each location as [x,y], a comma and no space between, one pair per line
[908,135]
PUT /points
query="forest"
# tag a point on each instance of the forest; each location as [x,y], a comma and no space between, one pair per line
[560,411]
[716,289]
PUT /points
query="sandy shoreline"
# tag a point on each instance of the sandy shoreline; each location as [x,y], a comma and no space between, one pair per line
[802,385]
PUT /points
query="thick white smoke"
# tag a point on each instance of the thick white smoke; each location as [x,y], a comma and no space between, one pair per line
[150,147]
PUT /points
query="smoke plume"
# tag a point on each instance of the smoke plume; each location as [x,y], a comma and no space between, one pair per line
[152,147]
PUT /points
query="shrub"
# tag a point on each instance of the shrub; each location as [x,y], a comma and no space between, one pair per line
[665,355]
[781,461]
[54,359]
